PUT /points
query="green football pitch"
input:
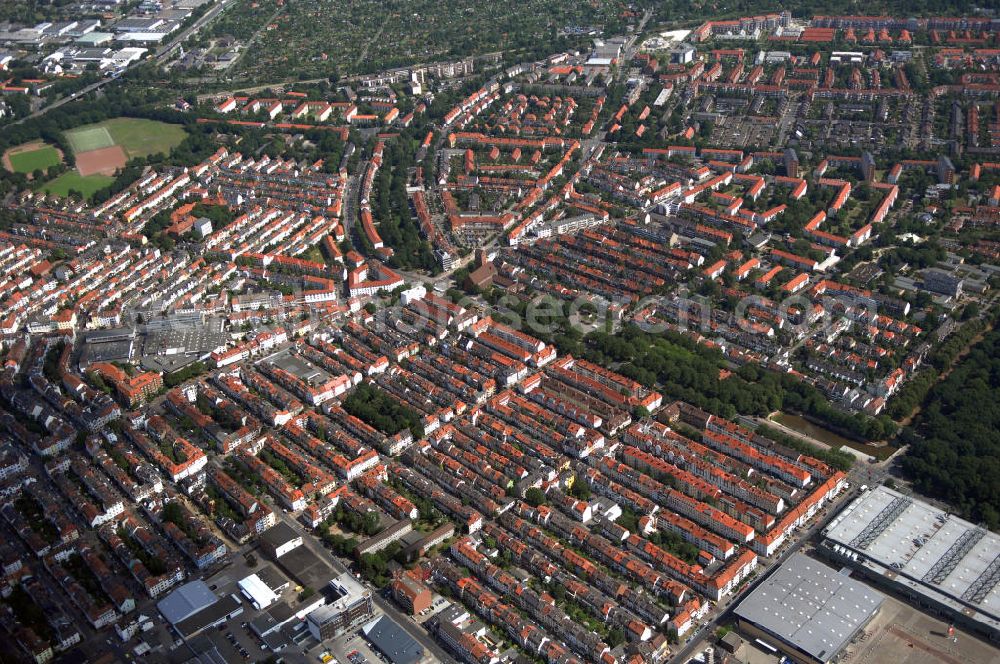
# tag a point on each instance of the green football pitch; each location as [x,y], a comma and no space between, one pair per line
[89,138]
[29,160]
[138,137]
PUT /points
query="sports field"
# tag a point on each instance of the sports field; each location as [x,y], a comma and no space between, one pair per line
[85,185]
[102,161]
[85,139]
[30,156]
[103,148]
[137,137]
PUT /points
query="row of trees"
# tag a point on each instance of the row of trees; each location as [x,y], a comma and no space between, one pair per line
[691,371]
[391,209]
[833,457]
[181,375]
[356,523]
[945,355]
[914,392]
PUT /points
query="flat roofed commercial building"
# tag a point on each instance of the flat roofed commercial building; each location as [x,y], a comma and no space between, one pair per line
[258,592]
[942,562]
[186,601]
[271,621]
[393,641]
[352,603]
[279,540]
[226,608]
[273,578]
[808,610]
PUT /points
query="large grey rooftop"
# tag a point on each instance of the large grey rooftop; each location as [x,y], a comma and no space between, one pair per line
[393,641]
[924,543]
[810,606]
[186,601]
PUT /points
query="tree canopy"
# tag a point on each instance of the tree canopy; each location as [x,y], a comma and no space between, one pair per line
[954,448]
[383,411]
[690,371]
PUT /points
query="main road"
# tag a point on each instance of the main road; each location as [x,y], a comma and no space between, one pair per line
[162,53]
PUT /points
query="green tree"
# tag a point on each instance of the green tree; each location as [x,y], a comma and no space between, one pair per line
[534,497]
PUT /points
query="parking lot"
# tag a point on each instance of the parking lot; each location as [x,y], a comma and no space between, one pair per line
[437,604]
[234,638]
[352,648]
[235,641]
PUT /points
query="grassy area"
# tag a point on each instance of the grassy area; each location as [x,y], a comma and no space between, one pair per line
[313,254]
[91,137]
[86,185]
[41,157]
[138,137]
[383,411]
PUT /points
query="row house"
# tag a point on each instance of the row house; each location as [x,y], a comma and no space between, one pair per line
[470,519]
[594,599]
[258,516]
[551,617]
[312,391]
[528,635]
[232,386]
[131,389]
[710,517]
[130,473]
[348,469]
[501,484]
[109,580]
[768,463]
[129,527]
[615,557]
[693,533]
[109,504]
[290,497]
[316,479]
[323,508]
[706,464]
[396,505]
[769,543]
[99,612]
[185,459]
[569,562]
[194,538]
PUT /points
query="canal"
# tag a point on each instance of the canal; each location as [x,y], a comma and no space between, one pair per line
[805,427]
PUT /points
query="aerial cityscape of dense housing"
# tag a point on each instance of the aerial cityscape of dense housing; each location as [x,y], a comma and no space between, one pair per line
[610,332]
